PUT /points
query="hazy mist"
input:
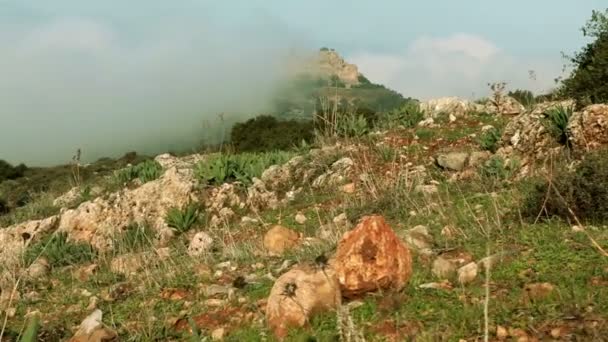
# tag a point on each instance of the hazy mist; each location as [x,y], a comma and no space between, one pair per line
[70,83]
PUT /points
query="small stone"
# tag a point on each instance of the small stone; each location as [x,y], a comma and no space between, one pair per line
[92,303]
[467,273]
[212,302]
[86,293]
[349,188]
[300,218]
[11,312]
[218,334]
[200,244]
[443,269]
[577,229]
[419,238]
[501,332]
[539,290]
[224,265]
[40,268]
[280,239]
[444,285]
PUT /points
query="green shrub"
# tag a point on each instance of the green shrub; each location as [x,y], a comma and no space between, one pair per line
[266,133]
[408,115]
[4,208]
[588,82]
[557,123]
[584,191]
[489,140]
[146,171]
[59,251]
[7,171]
[425,133]
[352,126]
[496,168]
[525,97]
[243,167]
[182,219]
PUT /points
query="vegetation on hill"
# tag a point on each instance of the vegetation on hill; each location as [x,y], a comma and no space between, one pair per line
[588,82]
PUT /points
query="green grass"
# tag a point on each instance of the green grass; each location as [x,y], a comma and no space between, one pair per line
[183,219]
[59,251]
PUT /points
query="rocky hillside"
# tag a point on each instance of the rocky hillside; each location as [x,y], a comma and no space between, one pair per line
[448,227]
[327,75]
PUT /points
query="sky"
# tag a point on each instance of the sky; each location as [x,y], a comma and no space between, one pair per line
[114,76]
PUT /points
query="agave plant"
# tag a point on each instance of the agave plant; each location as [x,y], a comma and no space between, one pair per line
[557,122]
[146,171]
[182,219]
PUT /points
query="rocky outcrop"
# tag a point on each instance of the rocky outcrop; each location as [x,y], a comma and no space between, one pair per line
[588,129]
[336,175]
[371,257]
[448,105]
[168,161]
[505,106]
[96,222]
[15,239]
[298,295]
[330,63]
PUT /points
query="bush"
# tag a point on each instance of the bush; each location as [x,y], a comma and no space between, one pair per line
[145,171]
[7,171]
[584,191]
[408,115]
[489,140]
[557,123]
[588,82]
[59,251]
[266,133]
[4,208]
[525,97]
[352,126]
[182,220]
[225,168]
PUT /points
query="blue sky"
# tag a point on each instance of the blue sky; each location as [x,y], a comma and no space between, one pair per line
[75,73]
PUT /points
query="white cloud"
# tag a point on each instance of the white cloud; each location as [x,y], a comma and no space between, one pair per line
[457,65]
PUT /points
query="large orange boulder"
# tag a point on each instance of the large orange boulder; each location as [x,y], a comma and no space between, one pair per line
[298,295]
[371,257]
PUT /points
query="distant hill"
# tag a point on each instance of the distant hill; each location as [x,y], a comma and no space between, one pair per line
[328,76]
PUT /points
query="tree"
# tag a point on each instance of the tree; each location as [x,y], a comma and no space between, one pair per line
[588,82]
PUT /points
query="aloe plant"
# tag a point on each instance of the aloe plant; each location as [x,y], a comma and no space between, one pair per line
[557,122]
[182,219]
[145,171]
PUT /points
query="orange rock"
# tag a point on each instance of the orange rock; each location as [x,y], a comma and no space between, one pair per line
[279,239]
[298,295]
[371,257]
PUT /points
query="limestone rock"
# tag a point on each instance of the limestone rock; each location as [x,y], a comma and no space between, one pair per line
[279,239]
[588,129]
[167,161]
[16,238]
[298,295]
[259,197]
[446,264]
[336,174]
[38,269]
[453,161]
[467,273]
[97,221]
[93,330]
[455,106]
[200,244]
[300,218]
[506,106]
[371,257]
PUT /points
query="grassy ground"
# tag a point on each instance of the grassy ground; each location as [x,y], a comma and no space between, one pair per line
[158,302]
